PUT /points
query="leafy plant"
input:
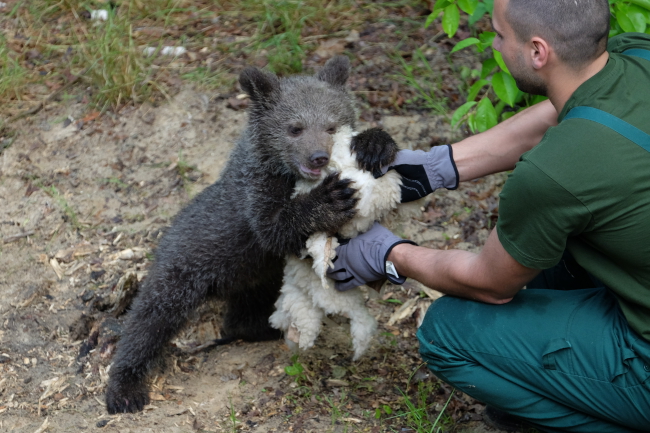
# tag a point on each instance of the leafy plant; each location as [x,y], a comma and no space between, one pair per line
[494,86]
[296,370]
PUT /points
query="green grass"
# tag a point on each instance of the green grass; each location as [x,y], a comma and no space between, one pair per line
[204,78]
[70,214]
[417,410]
[53,41]
[46,44]
[419,75]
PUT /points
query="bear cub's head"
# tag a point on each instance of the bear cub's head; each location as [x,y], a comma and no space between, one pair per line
[292,120]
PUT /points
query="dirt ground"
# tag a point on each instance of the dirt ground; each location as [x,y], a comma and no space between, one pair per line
[83,204]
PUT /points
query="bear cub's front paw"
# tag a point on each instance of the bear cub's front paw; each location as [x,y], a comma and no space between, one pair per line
[334,203]
[126,397]
[375,149]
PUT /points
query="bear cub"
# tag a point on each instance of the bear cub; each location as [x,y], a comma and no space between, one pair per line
[231,241]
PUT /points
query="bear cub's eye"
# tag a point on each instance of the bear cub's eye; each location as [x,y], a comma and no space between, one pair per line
[331,130]
[295,130]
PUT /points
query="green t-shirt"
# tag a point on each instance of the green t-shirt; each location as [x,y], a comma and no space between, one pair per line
[586,188]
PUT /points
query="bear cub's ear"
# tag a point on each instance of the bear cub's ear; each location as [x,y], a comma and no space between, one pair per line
[259,85]
[336,71]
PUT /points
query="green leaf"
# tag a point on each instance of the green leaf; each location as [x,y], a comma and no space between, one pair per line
[387,409]
[505,87]
[639,17]
[471,122]
[431,18]
[451,20]
[500,62]
[464,44]
[476,87]
[292,370]
[377,413]
[488,66]
[440,5]
[468,6]
[645,4]
[624,20]
[536,99]
[487,38]
[478,14]
[499,107]
[489,4]
[507,115]
[486,116]
[437,8]
[461,112]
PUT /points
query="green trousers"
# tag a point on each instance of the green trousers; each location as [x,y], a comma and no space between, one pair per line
[560,354]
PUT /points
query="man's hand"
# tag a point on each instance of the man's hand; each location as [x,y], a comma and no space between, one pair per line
[362,260]
[424,172]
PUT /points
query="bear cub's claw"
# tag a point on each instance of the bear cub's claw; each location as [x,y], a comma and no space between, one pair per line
[123,398]
[375,149]
[334,203]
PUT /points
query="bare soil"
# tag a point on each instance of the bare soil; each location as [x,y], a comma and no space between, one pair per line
[83,204]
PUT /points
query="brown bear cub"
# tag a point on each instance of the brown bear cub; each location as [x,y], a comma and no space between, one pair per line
[230,242]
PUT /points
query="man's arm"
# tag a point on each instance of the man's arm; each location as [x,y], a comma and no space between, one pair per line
[491,276]
[499,148]
[492,151]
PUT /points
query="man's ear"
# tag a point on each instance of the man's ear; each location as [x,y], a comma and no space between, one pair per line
[336,71]
[259,85]
[540,51]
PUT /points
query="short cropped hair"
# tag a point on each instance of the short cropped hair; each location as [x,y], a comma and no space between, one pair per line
[576,29]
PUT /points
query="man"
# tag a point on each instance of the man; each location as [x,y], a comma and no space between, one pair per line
[572,351]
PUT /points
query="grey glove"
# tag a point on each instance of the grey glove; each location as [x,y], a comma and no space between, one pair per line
[362,260]
[424,172]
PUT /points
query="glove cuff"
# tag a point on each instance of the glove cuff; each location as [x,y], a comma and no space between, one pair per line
[441,168]
[400,280]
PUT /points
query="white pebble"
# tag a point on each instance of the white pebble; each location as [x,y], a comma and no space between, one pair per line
[100,14]
[165,51]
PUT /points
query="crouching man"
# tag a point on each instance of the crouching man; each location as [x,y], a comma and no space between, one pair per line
[571,353]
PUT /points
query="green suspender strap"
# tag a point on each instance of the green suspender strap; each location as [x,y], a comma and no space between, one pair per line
[628,131]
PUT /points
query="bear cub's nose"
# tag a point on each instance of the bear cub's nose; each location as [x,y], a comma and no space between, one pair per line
[319,159]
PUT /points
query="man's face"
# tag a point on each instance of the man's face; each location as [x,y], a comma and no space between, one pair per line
[514,52]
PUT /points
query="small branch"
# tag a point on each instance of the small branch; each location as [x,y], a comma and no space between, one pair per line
[13,238]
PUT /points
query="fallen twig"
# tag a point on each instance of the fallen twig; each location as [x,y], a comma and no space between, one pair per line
[13,238]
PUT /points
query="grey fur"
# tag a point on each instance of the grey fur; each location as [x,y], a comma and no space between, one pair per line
[231,240]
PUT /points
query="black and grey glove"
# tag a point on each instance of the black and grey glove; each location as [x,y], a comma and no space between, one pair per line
[424,172]
[362,260]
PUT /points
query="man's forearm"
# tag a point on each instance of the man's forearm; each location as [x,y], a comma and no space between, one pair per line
[492,276]
[448,271]
[499,148]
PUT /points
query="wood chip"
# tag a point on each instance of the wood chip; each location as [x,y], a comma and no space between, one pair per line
[57,268]
[156,396]
[28,301]
[406,310]
[174,387]
[337,382]
[52,386]
[75,267]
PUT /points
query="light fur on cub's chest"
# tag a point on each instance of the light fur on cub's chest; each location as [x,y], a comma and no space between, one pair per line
[307,295]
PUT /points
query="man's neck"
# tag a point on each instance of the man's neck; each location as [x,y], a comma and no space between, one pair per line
[568,81]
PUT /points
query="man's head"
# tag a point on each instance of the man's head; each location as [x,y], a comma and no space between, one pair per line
[575,30]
